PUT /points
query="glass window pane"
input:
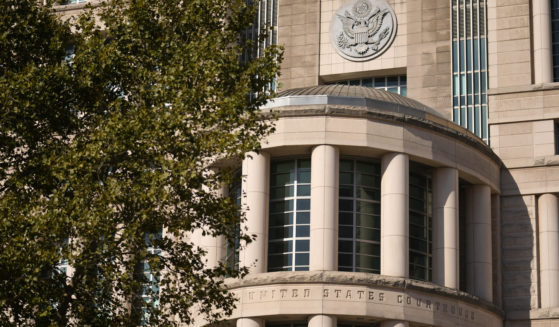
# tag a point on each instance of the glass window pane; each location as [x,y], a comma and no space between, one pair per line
[345,246]
[368,207]
[367,82]
[367,261]
[345,260]
[367,167]
[368,221]
[346,232]
[303,218]
[346,165]
[303,204]
[303,231]
[282,166]
[302,259]
[366,193]
[367,234]
[392,81]
[281,219]
[380,82]
[346,218]
[346,178]
[304,177]
[303,190]
[304,163]
[302,245]
[367,248]
[281,206]
[346,205]
[280,247]
[365,179]
[282,179]
[281,192]
[281,232]
[346,191]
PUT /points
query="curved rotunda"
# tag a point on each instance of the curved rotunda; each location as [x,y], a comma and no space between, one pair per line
[369,208]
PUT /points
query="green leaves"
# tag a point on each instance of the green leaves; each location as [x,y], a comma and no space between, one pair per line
[120,142]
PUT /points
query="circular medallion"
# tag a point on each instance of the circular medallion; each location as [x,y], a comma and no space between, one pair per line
[363,29]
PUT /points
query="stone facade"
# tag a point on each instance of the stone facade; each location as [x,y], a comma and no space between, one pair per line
[495,257]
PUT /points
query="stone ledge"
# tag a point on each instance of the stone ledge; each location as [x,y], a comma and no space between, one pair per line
[523,88]
[358,279]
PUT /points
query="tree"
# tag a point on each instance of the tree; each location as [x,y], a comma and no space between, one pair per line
[108,157]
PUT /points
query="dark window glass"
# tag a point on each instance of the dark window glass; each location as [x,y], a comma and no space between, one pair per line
[420,219]
[359,216]
[289,215]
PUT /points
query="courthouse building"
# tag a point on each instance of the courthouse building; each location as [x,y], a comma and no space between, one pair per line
[413,177]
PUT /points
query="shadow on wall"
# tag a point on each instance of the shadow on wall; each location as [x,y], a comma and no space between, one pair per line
[518,250]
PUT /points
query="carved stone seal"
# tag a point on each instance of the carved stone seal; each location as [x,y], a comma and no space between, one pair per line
[363,29]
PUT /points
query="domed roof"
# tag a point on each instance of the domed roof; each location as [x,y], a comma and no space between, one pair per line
[350,96]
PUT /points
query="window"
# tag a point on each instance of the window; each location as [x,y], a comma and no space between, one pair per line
[266,19]
[150,288]
[67,2]
[420,226]
[359,217]
[394,84]
[469,65]
[555,38]
[290,204]
[232,250]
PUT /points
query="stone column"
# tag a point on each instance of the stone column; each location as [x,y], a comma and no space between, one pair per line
[496,240]
[548,219]
[478,242]
[322,321]
[250,322]
[214,246]
[541,20]
[324,208]
[256,189]
[445,228]
[394,323]
[394,215]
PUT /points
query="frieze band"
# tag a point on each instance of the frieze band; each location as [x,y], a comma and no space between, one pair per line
[375,296]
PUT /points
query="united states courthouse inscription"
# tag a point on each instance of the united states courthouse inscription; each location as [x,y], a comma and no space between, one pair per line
[393,303]
[363,29]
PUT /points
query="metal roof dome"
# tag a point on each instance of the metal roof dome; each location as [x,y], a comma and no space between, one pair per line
[351,96]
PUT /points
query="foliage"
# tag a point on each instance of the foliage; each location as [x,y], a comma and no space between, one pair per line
[101,151]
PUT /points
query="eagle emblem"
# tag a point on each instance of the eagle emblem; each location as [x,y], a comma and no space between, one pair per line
[362,31]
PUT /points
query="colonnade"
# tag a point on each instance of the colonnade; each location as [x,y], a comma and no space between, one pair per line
[394,224]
